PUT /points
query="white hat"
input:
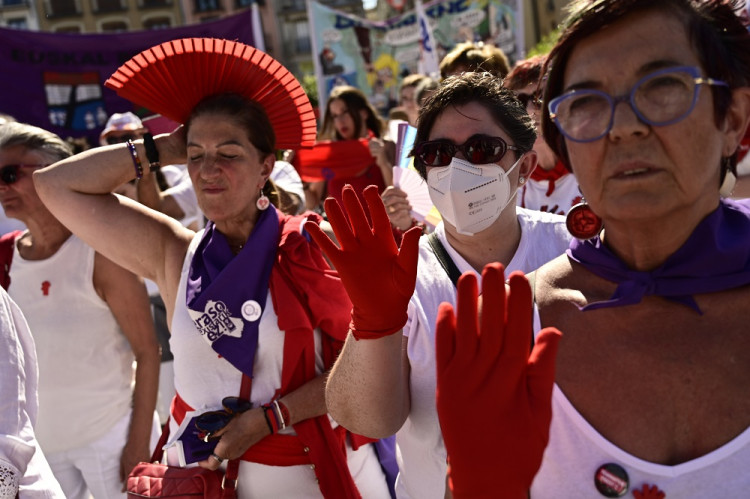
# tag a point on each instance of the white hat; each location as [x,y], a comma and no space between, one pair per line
[122,121]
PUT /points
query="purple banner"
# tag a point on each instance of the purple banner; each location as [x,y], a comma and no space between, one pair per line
[56,80]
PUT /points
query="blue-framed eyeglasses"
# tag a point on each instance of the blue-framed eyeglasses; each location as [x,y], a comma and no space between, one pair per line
[660,98]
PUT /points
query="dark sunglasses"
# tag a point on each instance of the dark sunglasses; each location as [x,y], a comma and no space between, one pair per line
[119,139]
[529,98]
[211,422]
[479,150]
[9,173]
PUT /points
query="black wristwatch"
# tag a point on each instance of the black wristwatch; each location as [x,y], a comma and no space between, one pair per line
[152,154]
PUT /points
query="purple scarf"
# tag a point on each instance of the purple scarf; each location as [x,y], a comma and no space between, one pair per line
[226,294]
[714,258]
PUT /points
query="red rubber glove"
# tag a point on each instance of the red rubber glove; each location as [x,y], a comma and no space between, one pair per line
[378,276]
[493,400]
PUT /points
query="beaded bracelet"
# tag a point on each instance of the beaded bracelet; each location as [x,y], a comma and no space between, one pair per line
[152,153]
[136,159]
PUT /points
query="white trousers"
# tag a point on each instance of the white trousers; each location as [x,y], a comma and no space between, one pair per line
[94,469]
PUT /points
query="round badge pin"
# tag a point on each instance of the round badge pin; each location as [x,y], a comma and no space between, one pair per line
[251,310]
[612,480]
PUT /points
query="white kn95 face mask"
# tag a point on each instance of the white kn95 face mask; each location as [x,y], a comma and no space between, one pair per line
[470,197]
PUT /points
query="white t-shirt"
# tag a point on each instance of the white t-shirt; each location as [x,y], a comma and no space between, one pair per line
[85,361]
[536,195]
[421,450]
[576,450]
[202,379]
[204,388]
[22,463]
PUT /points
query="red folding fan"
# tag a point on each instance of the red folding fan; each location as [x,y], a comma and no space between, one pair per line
[171,78]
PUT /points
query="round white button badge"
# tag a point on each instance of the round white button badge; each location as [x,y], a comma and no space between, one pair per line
[251,310]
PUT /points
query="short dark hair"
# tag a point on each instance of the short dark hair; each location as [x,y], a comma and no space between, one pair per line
[717,33]
[487,90]
[355,101]
[246,113]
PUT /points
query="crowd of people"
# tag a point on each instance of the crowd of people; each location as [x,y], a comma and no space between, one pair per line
[571,327]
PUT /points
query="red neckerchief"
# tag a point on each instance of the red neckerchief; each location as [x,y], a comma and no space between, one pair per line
[307,294]
[557,172]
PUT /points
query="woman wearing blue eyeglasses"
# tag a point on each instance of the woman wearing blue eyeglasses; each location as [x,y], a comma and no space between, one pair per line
[648,102]
[473,148]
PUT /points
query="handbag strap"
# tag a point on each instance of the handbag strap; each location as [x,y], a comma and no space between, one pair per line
[444,258]
[159,449]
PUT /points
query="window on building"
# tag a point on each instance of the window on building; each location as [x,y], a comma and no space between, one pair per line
[293,5]
[68,29]
[157,23]
[63,8]
[302,37]
[18,23]
[206,5]
[156,3]
[114,26]
[108,5]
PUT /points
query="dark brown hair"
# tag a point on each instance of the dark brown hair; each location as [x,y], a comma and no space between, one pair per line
[715,28]
[247,114]
[485,89]
[355,102]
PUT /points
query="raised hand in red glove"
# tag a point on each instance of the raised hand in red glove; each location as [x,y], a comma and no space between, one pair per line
[378,275]
[493,399]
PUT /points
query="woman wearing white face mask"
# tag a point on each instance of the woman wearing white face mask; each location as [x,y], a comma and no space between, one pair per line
[473,147]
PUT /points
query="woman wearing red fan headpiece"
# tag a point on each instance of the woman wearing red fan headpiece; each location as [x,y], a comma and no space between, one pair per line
[349,116]
[255,313]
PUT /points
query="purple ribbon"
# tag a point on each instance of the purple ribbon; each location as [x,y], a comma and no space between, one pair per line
[226,293]
[714,258]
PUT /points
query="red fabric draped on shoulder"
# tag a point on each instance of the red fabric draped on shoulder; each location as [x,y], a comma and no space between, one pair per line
[308,294]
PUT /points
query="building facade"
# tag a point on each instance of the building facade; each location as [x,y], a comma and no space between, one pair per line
[103,16]
[18,14]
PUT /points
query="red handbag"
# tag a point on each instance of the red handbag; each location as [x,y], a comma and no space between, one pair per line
[160,480]
[157,480]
